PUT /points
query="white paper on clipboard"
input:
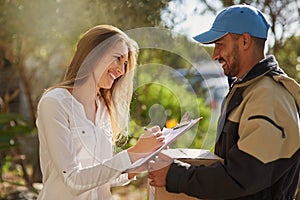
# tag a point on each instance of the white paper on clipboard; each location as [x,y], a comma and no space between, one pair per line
[170,136]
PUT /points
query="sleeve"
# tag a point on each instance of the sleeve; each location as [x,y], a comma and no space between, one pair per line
[241,176]
[122,180]
[269,123]
[55,134]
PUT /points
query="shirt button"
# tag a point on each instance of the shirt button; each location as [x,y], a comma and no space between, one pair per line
[83,132]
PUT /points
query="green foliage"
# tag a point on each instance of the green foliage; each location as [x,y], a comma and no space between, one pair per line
[161,93]
[159,97]
[12,125]
[288,58]
[42,34]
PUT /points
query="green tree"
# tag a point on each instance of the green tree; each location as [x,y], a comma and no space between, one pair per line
[289,57]
[41,34]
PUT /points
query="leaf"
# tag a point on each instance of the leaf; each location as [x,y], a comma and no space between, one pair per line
[12,125]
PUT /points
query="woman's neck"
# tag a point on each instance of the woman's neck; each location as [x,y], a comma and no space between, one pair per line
[86,95]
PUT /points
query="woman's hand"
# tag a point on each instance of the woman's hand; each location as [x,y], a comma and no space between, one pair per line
[148,142]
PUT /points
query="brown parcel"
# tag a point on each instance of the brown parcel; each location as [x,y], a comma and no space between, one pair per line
[191,156]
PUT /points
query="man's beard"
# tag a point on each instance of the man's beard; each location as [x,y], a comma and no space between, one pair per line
[234,68]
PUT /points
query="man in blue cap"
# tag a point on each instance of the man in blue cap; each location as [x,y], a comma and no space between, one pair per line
[258,132]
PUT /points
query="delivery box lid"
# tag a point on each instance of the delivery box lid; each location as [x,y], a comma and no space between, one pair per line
[182,153]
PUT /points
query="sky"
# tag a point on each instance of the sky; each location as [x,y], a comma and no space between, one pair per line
[194,23]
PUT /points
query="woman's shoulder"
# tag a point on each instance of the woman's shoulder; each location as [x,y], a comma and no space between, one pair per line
[56,95]
[54,101]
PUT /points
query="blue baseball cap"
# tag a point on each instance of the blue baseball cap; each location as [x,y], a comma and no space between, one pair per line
[237,19]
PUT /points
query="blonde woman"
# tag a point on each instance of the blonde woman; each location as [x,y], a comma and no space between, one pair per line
[80,118]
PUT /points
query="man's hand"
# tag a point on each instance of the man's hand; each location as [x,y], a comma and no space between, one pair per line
[158,170]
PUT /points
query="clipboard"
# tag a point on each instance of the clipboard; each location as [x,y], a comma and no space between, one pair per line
[170,136]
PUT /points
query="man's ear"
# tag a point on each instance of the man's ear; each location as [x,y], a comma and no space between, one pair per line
[247,40]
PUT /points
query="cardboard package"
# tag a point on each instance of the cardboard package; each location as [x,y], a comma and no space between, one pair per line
[191,156]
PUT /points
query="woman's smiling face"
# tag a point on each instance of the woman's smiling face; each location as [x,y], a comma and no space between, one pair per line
[117,60]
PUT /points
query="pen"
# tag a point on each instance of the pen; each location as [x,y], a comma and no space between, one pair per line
[149,130]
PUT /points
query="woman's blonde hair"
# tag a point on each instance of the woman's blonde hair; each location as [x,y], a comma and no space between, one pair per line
[91,47]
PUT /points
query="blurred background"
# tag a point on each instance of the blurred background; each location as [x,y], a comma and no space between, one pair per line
[174,73]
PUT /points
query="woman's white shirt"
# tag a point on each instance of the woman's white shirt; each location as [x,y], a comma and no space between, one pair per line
[76,155]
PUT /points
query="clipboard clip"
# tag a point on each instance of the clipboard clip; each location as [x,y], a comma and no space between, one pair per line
[185,120]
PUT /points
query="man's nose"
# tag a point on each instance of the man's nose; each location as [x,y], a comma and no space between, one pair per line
[215,55]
